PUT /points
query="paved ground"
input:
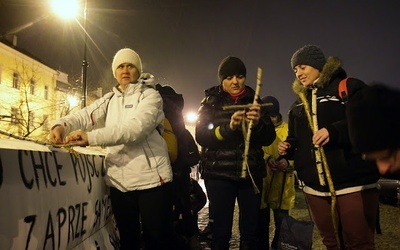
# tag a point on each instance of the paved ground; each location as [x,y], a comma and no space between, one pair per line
[389,220]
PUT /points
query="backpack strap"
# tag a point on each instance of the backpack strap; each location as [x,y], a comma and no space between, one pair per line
[342,88]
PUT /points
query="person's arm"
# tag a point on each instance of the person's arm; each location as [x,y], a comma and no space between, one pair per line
[57,134]
[85,119]
[211,132]
[286,148]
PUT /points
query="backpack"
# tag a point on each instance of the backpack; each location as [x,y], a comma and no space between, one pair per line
[342,89]
[185,223]
[171,140]
[187,151]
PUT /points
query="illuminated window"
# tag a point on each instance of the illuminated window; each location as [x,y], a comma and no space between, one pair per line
[46,122]
[46,92]
[31,118]
[32,86]
[16,80]
[14,115]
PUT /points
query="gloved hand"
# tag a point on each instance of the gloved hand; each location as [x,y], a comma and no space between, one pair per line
[278,165]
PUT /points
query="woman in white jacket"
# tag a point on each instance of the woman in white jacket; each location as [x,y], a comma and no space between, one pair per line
[127,121]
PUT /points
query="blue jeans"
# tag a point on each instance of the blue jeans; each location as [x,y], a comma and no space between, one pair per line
[223,195]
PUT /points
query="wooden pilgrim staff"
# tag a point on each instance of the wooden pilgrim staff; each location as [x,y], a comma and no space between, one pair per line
[321,161]
[67,146]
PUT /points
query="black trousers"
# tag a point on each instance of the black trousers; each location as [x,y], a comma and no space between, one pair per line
[223,194]
[149,211]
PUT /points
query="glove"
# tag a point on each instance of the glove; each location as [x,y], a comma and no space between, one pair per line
[278,165]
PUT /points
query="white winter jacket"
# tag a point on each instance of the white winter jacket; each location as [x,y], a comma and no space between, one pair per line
[126,122]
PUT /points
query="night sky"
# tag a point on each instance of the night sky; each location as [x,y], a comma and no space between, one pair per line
[182,42]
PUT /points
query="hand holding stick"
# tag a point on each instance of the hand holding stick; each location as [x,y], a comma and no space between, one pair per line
[246,106]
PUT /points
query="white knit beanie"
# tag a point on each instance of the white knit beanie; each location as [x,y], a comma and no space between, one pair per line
[126,56]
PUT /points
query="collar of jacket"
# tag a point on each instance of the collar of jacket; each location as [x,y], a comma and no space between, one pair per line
[129,89]
[215,90]
[134,87]
[332,65]
[280,120]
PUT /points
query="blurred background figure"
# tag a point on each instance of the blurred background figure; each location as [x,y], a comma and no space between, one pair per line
[278,191]
[374,127]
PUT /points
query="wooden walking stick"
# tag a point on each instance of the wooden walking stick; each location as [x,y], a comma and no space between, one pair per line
[321,161]
[245,166]
[244,106]
[314,128]
[326,168]
[246,130]
[68,147]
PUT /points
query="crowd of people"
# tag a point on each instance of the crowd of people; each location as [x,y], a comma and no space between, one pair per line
[247,154]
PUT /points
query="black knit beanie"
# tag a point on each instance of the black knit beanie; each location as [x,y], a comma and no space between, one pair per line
[274,108]
[373,115]
[231,66]
[310,55]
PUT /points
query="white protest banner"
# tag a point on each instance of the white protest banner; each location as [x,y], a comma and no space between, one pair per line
[52,199]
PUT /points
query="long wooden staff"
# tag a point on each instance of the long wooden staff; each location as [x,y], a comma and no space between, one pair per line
[321,160]
[245,166]
[318,156]
[68,147]
[326,168]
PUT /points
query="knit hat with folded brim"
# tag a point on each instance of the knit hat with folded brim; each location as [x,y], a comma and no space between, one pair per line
[274,108]
[127,56]
[373,115]
[231,66]
[310,55]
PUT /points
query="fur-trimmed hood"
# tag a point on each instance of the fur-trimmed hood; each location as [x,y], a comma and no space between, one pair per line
[331,68]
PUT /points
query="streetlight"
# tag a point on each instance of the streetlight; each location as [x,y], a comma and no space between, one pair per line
[191,117]
[84,62]
[69,9]
[65,9]
[72,101]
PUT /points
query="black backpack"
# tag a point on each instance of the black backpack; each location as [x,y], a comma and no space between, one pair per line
[188,153]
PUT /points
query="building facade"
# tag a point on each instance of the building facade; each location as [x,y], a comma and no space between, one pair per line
[32,94]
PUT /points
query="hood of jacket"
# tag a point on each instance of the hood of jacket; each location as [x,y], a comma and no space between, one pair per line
[331,69]
[146,80]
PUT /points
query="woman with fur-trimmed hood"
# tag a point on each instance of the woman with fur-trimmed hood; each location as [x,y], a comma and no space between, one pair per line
[318,119]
